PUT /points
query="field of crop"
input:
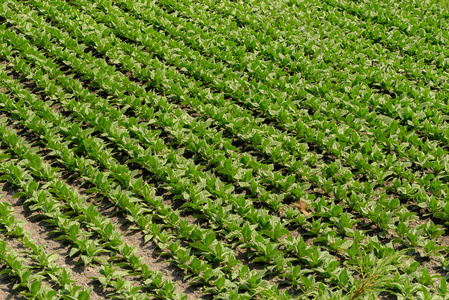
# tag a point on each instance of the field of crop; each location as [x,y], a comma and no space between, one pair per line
[222,149]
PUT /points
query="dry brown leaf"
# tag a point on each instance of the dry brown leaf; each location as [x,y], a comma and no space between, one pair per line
[302,207]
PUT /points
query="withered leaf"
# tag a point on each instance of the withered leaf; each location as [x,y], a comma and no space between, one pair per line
[302,207]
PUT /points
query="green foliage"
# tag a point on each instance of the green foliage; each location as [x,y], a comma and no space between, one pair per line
[202,123]
[443,3]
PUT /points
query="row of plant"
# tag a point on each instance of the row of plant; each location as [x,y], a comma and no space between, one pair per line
[84,243]
[92,114]
[48,126]
[17,268]
[389,110]
[84,138]
[285,14]
[104,185]
[42,266]
[417,118]
[429,147]
[158,124]
[337,48]
[405,20]
[417,121]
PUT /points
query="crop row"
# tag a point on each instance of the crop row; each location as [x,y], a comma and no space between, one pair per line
[275,168]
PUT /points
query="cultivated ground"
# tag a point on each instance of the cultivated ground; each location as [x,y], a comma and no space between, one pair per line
[180,149]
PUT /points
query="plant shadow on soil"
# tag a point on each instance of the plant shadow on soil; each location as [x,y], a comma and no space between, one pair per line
[40,231]
[41,234]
